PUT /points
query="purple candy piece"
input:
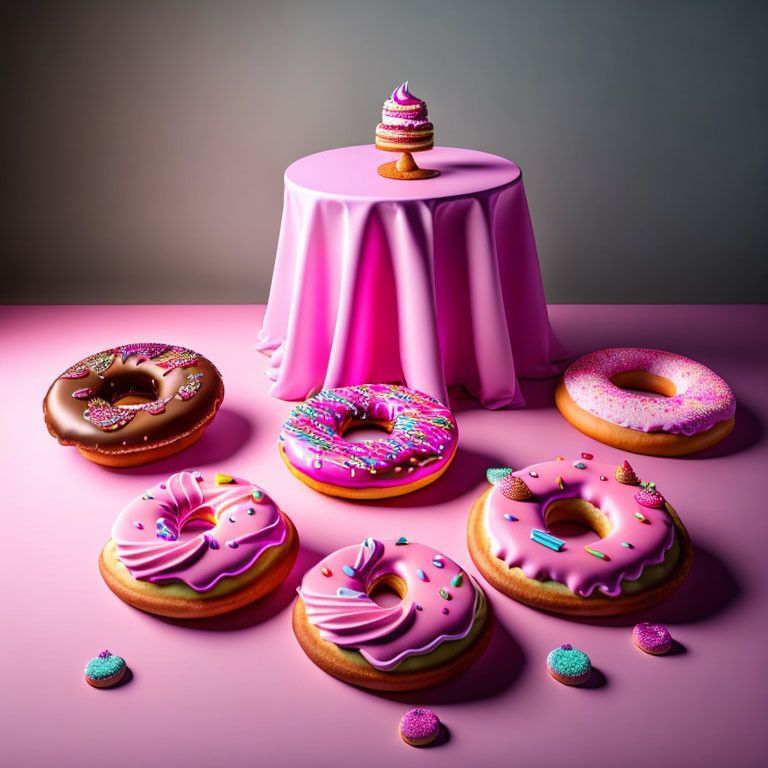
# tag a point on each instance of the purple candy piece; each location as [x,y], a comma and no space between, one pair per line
[652,638]
[420,725]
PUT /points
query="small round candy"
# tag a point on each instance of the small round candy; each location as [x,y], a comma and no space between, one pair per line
[419,727]
[569,665]
[105,670]
[652,638]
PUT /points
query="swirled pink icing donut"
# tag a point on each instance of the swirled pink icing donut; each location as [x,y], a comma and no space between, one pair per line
[636,552]
[694,409]
[420,445]
[439,620]
[189,545]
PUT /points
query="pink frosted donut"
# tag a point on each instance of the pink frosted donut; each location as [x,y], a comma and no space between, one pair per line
[438,627]
[420,445]
[694,408]
[630,550]
[194,546]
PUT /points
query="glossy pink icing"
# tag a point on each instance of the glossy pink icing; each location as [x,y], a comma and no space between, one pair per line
[401,95]
[582,572]
[422,439]
[338,604]
[703,399]
[192,530]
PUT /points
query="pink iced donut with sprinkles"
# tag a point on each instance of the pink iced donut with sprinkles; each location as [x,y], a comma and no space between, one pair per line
[195,546]
[420,444]
[693,408]
[578,537]
[439,625]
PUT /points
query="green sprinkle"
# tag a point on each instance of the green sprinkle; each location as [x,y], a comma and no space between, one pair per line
[457,579]
[445,595]
[627,545]
[596,553]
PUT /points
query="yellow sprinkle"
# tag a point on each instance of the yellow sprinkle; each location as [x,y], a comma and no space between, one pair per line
[561,483]
[224,479]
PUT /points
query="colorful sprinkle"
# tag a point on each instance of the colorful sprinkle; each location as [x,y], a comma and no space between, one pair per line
[212,543]
[250,511]
[533,473]
[438,563]
[560,458]
[344,592]
[445,594]
[348,570]
[587,456]
[446,611]
[82,394]
[641,517]
[423,576]
[257,495]
[547,539]
[603,477]
[402,540]
[327,571]
[224,479]
[317,464]
[594,552]
[580,465]
[232,544]
[147,495]
[509,517]
[457,580]
[627,545]
[231,519]
[560,483]
[139,526]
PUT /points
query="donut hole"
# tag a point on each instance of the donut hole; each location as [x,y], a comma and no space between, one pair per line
[644,383]
[387,590]
[364,431]
[131,389]
[200,521]
[573,518]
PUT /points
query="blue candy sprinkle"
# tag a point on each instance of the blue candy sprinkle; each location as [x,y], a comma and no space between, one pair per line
[438,563]
[507,516]
[423,576]
[348,569]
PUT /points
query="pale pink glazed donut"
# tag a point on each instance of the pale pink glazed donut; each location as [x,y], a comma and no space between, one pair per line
[193,546]
[439,625]
[420,445]
[636,553]
[694,410]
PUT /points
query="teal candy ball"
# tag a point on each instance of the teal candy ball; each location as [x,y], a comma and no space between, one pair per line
[104,665]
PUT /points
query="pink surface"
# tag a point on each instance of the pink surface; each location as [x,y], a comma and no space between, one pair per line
[238,690]
[428,283]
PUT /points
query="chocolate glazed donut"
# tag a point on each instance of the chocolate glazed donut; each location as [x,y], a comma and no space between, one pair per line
[134,404]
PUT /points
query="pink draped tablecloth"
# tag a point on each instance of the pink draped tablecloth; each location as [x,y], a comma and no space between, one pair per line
[430,283]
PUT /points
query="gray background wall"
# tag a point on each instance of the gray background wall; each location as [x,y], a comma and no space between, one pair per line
[143,143]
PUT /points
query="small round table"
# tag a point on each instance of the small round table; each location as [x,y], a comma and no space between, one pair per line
[431,283]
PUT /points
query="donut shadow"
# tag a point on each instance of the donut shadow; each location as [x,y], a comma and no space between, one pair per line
[491,675]
[596,680]
[126,678]
[262,610]
[465,473]
[747,431]
[709,589]
[229,431]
